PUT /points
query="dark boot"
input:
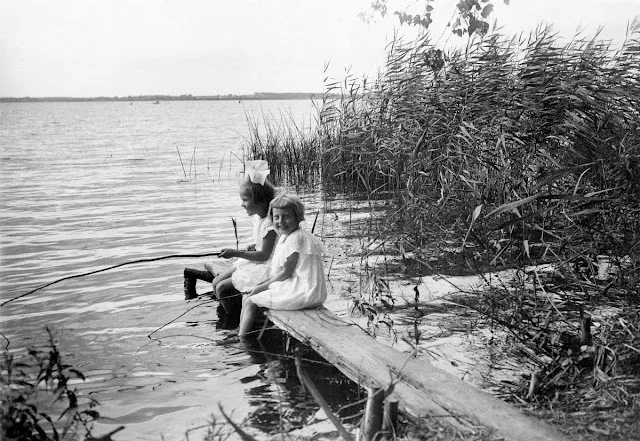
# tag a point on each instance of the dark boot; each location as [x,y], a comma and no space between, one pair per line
[190,288]
[191,277]
[198,274]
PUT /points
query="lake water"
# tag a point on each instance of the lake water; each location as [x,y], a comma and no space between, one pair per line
[89,185]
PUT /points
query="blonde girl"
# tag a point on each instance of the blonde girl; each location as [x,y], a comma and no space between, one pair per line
[296,275]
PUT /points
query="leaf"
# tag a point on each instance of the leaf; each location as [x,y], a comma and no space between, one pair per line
[41,432]
[554,177]
[512,205]
[92,413]
[468,181]
[78,374]
[593,193]
[476,213]
[588,211]
[486,11]
[56,436]
[473,26]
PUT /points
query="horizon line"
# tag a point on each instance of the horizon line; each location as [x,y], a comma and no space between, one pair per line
[145,97]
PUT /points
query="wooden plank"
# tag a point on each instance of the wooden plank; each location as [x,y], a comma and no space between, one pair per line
[422,389]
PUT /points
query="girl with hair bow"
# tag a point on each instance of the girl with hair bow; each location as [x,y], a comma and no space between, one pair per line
[256,192]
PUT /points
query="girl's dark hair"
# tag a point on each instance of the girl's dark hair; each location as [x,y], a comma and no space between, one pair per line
[260,194]
[285,201]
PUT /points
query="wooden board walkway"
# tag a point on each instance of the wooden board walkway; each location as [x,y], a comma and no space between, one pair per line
[421,389]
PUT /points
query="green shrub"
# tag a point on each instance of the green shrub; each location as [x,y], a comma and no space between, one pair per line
[36,400]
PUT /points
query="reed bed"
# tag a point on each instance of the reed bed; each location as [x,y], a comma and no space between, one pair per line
[291,150]
[510,152]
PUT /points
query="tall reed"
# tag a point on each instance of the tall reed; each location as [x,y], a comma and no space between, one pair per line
[545,136]
[291,150]
[511,151]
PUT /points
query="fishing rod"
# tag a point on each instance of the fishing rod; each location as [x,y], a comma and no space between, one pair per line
[153,259]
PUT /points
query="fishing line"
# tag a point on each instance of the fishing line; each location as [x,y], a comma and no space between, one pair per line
[176,318]
[153,259]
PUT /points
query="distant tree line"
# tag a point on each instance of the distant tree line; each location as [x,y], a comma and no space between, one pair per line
[254,96]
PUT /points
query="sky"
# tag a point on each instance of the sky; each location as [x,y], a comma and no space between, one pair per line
[88,48]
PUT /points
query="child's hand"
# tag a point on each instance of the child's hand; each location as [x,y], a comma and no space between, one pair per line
[258,289]
[228,253]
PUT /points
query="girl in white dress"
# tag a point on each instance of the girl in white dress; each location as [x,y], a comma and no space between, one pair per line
[251,266]
[296,275]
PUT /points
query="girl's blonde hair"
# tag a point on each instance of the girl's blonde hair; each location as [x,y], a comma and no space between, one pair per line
[288,201]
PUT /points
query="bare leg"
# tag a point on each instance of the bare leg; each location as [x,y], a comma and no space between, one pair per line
[230,298]
[242,311]
[247,316]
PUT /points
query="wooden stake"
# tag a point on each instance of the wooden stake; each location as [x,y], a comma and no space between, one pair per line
[373,413]
[390,419]
[315,393]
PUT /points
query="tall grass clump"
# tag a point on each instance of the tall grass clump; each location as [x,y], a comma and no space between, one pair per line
[291,150]
[543,135]
[510,152]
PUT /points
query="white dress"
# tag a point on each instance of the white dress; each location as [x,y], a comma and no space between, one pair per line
[249,273]
[306,287]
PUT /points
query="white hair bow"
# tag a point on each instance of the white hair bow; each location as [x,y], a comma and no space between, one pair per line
[257,171]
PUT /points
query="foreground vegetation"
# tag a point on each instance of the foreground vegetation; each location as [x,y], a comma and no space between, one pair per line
[509,153]
[38,400]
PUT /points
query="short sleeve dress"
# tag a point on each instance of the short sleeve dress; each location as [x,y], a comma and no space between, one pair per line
[249,273]
[306,288]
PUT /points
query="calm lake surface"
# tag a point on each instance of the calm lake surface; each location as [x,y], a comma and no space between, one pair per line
[89,185]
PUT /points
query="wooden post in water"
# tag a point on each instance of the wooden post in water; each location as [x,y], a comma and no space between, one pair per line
[390,418]
[315,393]
[373,413]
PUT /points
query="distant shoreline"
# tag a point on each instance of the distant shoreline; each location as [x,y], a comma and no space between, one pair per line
[160,98]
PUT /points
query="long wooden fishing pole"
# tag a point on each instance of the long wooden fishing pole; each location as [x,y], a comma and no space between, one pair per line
[153,259]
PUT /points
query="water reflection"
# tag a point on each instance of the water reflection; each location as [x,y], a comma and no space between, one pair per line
[281,403]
